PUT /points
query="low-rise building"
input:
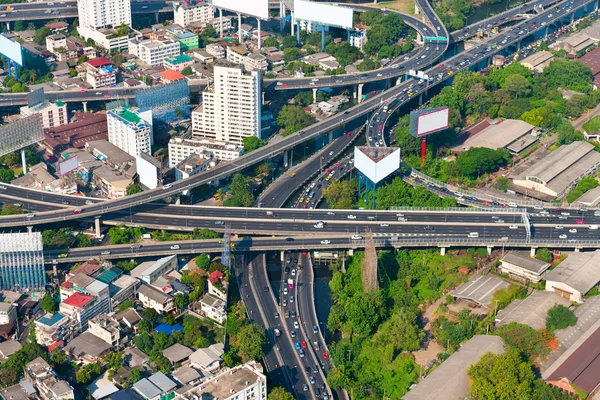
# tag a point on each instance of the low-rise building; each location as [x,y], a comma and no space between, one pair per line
[523,267]
[245,381]
[112,184]
[39,373]
[480,289]
[155,386]
[100,73]
[82,298]
[186,39]
[537,61]
[122,289]
[53,114]
[215,50]
[181,148]
[251,61]
[8,313]
[217,286]
[208,359]
[130,129]
[575,44]
[154,52]
[177,353]
[358,39]
[169,76]
[52,328]
[575,276]
[213,307]
[106,328]
[192,165]
[149,271]
[110,154]
[9,347]
[178,63]
[512,134]
[532,311]
[150,297]
[57,45]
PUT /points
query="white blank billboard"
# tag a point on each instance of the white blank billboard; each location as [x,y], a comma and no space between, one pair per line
[432,122]
[388,162]
[67,165]
[147,172]
[323,14]
[255,8]
[11,50]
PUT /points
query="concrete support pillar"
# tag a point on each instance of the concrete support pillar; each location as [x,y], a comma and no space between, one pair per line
[23,161]
[572,17]
[350,252]
[348,31]
[577,249]
[262,95]
[29,228]
[221,23]
[297,32]
[282,256]
[293,22]
[286,159]
[417,11]
[97,227]
[330,136]
[532,252]
[156,18]
[443,251]
[489,249]
[84,106]
[314,95]
[322,37]
[596,5]
[360,87]
[281,17]
[54,270]
[398,80]
[420,39]
[240,28]
[421,99]
[178,199]
[259,37]
[7,26]
[354,93]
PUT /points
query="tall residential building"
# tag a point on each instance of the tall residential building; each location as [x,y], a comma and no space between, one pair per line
[231,107]
[186,14]
[154,52]
[82,298]
[100,73]
[100,14]
[22,261]
[130,129]
[53,114]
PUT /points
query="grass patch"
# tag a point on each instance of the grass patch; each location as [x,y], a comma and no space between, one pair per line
[592,125]
[404,6]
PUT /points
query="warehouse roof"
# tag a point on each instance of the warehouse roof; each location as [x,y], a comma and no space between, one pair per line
[449,381]
[591,198]
[526,262]
[537,59]
[497,135]
[480,289]
[177,353]
[562,167]
[579,271]
[531,311]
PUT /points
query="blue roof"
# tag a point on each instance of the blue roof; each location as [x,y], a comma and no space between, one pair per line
[49,321]
[168,329]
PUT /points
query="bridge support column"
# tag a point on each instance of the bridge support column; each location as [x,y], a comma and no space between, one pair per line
[489,249]
[420,39]
[421,99]
[596,6]
[417,11]
[350,252]
[259,37]
[84,106]
[354,93]
[360,87]
[221,23]
[281,16]
[29,228]
[282,256]
[156,18]
[442,251]
[577,249]
[97,227]
[54,270]
[348,32]
[285,159]
[24,161]
[292,22]
[398,80]
[8,26]
[322,37]
[240,27]
[262,96]
[572,17]
[297,32]
[532,252]
[314,95]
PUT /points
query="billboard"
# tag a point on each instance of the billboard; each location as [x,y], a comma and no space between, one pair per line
[67,164]
[376,163]
[11,50]
[147,170]
[36,97]
[426,122]
[21,133]
[324,14]
[254,8]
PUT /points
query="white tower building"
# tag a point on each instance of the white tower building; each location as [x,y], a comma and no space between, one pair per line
[130,129]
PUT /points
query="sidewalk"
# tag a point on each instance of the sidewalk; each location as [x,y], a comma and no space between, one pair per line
[579,122]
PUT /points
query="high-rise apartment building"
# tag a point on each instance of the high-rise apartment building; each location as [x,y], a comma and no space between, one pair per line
[231,107]
[130,129]
[185,13]
[154,52]
[53,114]
[22,261]
[100,14]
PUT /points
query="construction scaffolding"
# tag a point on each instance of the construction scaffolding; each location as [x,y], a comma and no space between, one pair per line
[369,265]
[22,262]
[169,103]
[226,255]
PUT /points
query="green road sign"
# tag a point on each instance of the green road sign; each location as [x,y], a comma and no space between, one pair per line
[435,39]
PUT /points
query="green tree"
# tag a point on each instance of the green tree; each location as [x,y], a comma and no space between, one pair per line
[202,261]
[279,393]
[271,42]
[402,331]
[567,134]
[163,364]
[241,195]
[252,339]
[365,311]
[19,25]
[568,74]
[133,188]
[150,315]
[304,98]
[293,118]
[125,305]
[49,304]
[544,255]
[252,143]
[114,361]
[72,72]
[199,234]
[41,34]
[291,54]
[479,160]
[339,195]
[180,300]
[58,358]
[586,183]
[135,375]
[525,339]
[288,41]
[560,317]
[10,209]
[187,71]
[6,175]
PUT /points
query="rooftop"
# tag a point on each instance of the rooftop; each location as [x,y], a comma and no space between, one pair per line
[449,381]
[538,58]
[177,353]
[532,310]
[161,381]
[154,294]
[146,388]
[526,262]
[224,385]
[171,75]
[579,271]
[186,374]
[112,152]
[99,62]
[51,319]
[495,136]
[87,344]
[591,198]
[168,329]
[179,59]
[78,300]
[480,289]
[209,355]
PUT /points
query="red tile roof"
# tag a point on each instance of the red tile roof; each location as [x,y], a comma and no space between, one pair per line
[55,346]
[88,268]
[171,75]
[99,62]
[78,300]
[57,25]
[66,284]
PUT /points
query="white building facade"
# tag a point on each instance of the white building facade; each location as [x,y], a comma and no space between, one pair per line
[186,14]
[154,52]
[53,114]
[98,14]
[130,129]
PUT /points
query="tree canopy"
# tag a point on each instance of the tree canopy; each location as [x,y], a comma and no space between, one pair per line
[560,317]
[293,118]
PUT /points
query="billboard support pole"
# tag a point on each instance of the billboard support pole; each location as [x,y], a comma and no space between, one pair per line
[24,161]
[258,20]
[293,21]
[297,31]
[240,27]
[322,37]
[221,22]
[423,150]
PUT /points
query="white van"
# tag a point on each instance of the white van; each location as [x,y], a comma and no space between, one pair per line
[593,227]
[473,234]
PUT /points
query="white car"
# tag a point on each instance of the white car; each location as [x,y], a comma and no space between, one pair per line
[539,207]
[98,93]
[285,291]
[3,187]
[294,272]
[315,80]
[379,75]
[559,227]
[513,227]
[356,237]
[351,216]
[296,325]
[566,214]
[573,230]
[562,237]
[513,205]
[330,213]
[175,247]
[384,225]
[394,66]
[325,241]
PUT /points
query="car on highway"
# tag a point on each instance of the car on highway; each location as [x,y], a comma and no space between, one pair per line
[325,355]
[315,329]
[293,333]
[294,272]
[98,93]
[559,227]
[312,380]
[3,187]
[303,344]
[301,352]
[351,216]
[77,211]
[384,225]
[579,222]
[63,255]
[277,332]
[276,315]
[572,230]
[83,91]
[297,345]
[175,247]
[285,291]
[562,237]
[356,237]
[296,325]
[305,387]
[513,227]
[325,241]
[105,253]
